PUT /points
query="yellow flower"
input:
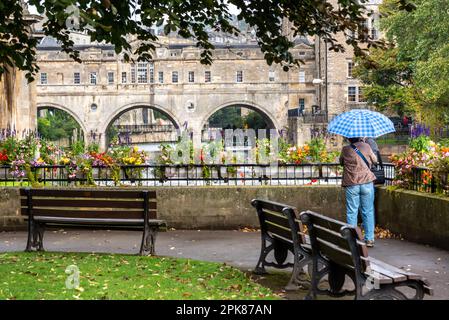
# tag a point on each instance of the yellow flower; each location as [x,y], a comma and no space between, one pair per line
[135,149]
[65,161]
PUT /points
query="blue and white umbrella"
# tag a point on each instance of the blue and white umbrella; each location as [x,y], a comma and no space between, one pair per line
[361,123]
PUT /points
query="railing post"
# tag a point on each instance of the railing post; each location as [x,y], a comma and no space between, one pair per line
[433,185]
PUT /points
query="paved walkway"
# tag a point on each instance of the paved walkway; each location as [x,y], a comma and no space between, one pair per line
[240,249]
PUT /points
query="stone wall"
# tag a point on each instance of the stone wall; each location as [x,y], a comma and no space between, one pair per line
[211,207]
[418,217]
[10,218]
[230,207]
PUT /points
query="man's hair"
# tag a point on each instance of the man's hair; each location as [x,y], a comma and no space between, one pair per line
[353,140]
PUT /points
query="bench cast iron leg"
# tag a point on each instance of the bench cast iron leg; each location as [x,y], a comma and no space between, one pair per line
[260,267]
[296,282]
[148,241]
[35,236]
[390,292]
[320,268]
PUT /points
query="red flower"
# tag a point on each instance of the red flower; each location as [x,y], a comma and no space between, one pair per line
[3,156]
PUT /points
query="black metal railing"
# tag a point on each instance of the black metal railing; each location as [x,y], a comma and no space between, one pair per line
[145,128]
[425,180]
[400,136]
[188,175]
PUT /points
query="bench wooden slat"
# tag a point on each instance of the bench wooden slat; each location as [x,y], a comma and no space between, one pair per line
[276,218]
[335,253]
[113,214]
[328,223]
[409,275]
[396,277]
[277,230]
[332,237]
[272,206]
[70,193]
[379,278]
[62,220]
[88,203]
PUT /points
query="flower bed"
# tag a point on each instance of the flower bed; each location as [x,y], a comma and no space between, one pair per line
[424,166]
[32,159]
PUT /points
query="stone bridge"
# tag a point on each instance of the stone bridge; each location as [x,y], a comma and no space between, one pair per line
[189,107]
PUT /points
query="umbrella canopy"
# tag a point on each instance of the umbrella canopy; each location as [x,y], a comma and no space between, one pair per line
[361,123]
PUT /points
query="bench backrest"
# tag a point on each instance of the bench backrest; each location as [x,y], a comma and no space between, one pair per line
[279,221]
[337,241]
[111,204]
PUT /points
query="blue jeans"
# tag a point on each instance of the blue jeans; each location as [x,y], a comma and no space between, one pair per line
[361,195]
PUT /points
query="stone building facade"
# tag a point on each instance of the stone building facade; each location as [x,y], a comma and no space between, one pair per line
[175,83]
[18,112]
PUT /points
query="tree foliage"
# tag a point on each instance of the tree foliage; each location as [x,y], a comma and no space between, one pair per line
[57,124]
[412,75]
[231,118]
[115,21]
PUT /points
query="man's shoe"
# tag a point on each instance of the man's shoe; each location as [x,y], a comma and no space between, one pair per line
[369,243]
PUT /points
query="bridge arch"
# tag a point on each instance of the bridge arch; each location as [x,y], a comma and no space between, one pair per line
[128,107]
[245,104]
[46,105]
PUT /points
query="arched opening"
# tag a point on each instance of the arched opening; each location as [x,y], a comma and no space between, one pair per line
[237,116]
[144,126]
[58,126]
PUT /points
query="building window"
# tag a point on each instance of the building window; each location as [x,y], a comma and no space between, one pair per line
[302,105]
[133,73]
[366,23]
[207,76]
[239,76]
[352,94]
[151,72]
[93,78]
[124,79]
[44,78]
[174,77]
[191,76]
[142,72]
[361,96]
[76,78]
[271,76]
[110,77]
[161,77]
[302,53]
[350,68]
[302,76]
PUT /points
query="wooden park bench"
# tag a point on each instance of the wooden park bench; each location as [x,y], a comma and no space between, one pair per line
[94,209]
[281,233]
[338,250]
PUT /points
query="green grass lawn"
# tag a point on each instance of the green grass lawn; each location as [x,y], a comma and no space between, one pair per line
[114,276]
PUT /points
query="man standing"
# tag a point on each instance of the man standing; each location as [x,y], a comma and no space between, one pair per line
[358,183]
